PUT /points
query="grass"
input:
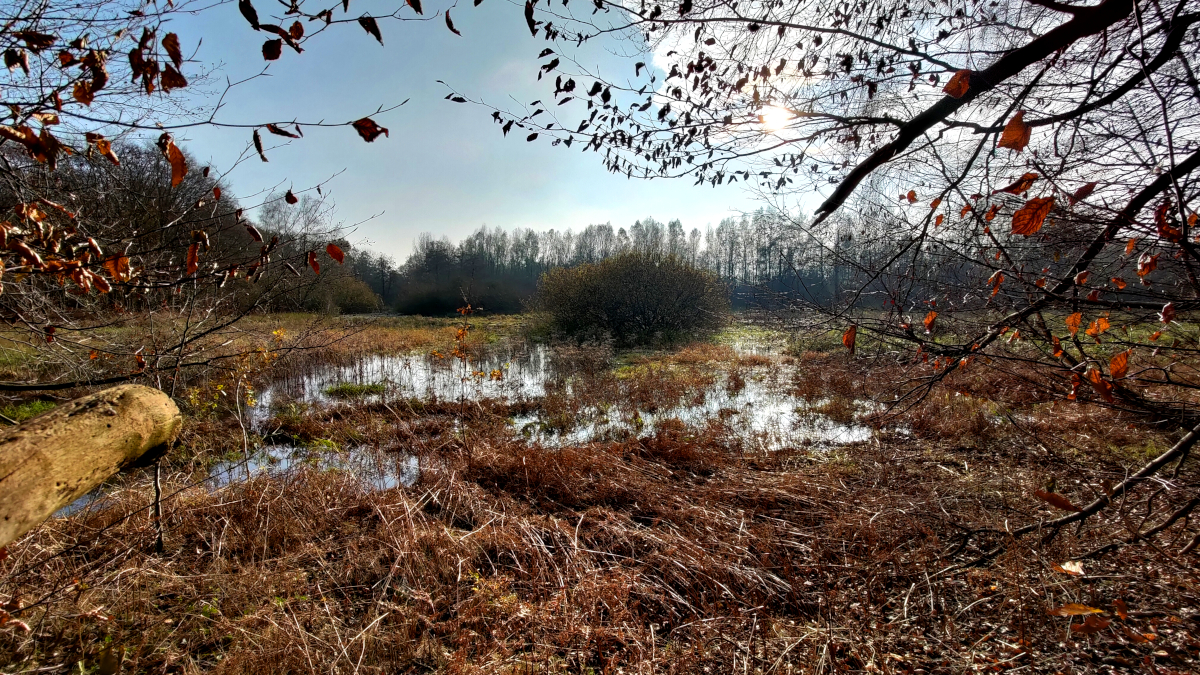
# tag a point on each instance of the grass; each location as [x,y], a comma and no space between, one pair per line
[19,412]
[691,549]
[354,390]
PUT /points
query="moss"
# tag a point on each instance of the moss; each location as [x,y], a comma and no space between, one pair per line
[352,390]
[19,412]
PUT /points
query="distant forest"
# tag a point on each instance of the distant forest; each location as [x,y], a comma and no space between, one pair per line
[759,256]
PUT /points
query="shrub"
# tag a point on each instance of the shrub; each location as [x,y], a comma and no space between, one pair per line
[634,298]
[342,294]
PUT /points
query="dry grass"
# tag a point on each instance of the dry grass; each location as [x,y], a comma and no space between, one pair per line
[685,551]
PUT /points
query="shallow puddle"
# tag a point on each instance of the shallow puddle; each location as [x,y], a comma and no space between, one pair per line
[523,372]
[760,411]
[763,417]
[377,470]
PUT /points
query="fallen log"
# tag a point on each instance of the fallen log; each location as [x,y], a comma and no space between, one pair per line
[53,459]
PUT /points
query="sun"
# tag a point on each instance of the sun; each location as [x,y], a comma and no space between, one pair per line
[774,118]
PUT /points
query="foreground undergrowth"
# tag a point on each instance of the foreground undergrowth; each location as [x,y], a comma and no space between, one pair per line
[690,549]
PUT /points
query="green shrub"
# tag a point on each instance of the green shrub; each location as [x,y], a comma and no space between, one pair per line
[634,298]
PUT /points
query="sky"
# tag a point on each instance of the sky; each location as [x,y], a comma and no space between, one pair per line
[445,168]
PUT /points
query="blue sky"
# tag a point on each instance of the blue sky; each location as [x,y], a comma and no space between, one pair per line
[445,168]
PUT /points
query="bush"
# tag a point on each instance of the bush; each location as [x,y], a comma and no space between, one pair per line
[634,298]
[341,294]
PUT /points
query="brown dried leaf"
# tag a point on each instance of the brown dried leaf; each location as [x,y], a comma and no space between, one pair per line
[1092,624]
[1059,502]
[1082,193]
[259,146]
[1102,386]
[336,253]
[1118,365]
[1121,609]
[279,131]
[171,44]
[1029,218]
[848,338]
[193,259]
[175,156]
[958,85]
[1074,321]
[368,23]
[313,263]
[450,25]
[1167,315]
[368,129]
[1016,133]
[1020,185]
[172,79]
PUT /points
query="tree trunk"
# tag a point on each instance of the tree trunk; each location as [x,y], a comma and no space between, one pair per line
[55,458]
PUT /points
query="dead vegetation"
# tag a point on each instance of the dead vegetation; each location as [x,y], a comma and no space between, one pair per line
[687,550]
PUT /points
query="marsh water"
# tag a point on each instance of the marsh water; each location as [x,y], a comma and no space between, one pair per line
[752,404]
[758,406]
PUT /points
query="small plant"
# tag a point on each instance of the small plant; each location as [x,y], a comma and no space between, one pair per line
[353,390]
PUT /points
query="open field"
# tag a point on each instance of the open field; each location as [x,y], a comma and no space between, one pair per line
[745,504]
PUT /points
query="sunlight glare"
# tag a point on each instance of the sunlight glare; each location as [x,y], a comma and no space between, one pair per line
[774,118]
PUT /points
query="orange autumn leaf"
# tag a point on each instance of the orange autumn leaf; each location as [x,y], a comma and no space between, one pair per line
[935,203]
[1029,218]
[336,253]
[1058,350]
[958,85]
[929,319]
[1121,609]
[1056,500]
[313,263]
[1020,185]
[1016,133]
[1147,264]
[117,267]
[1130,245]
[938,221]
[1074,609]
[965,210]
[193,259]
[1098,326]
[1118,365]
[1118,282]
[174,156]
[1102,386]
[1157,334]
[1074,321]
[911,196]
[991,214]
[1076,382]
[849,336]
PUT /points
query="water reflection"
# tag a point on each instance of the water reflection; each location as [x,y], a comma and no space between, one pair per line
[375,469]
[760,411]
[523,371]
[757,413]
